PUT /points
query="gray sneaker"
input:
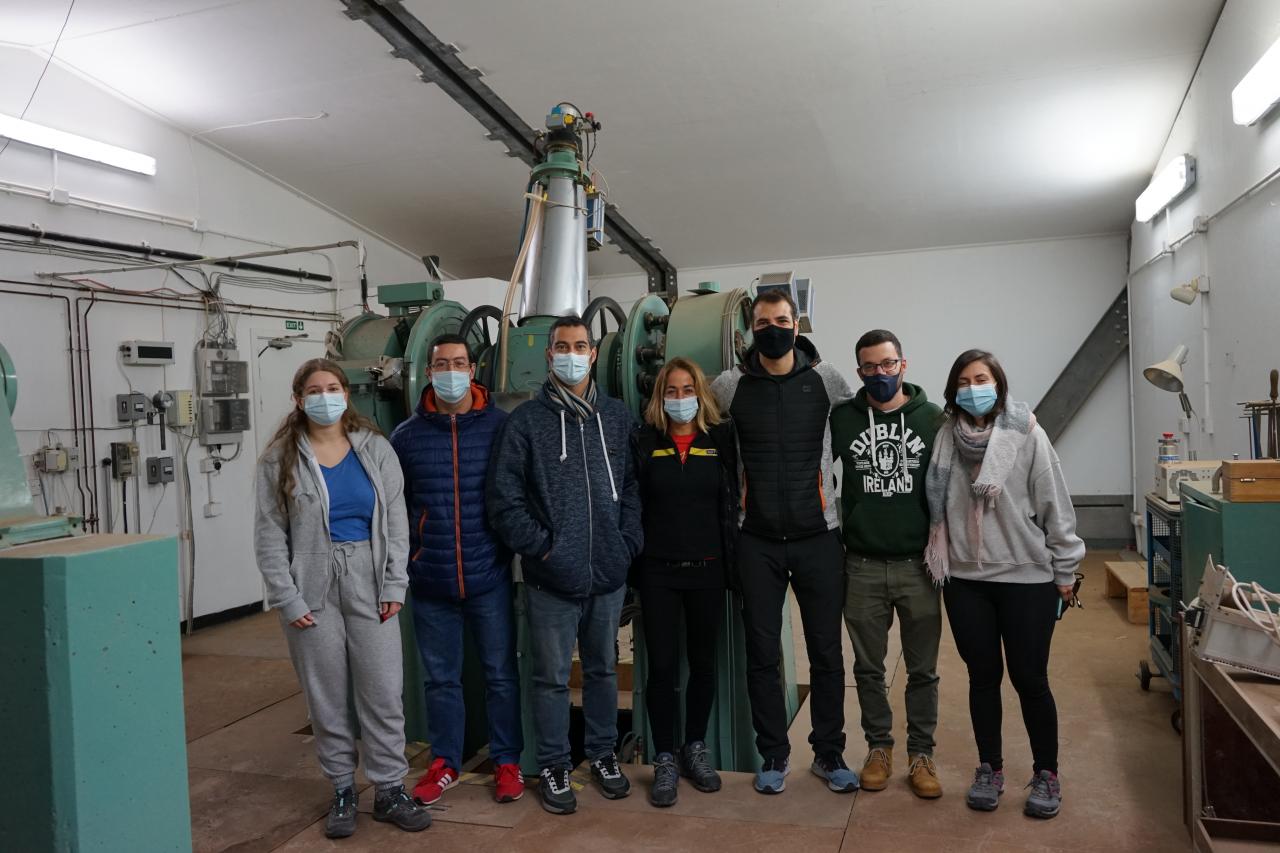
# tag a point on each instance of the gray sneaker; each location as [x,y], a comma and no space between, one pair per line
[556,791]
[1046,795]
[341,822]
[397,807]
[609,776]
[988,785]
[832,769]
[666,778]
[695,765]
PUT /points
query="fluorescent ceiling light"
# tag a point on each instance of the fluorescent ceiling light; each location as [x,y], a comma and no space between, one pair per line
[1170,182]
[31,133]
[1259,90]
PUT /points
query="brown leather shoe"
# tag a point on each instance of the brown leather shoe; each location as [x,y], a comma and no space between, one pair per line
[877,768]
[923,777]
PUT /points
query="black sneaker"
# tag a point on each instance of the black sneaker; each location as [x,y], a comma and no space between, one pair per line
[555,791]
[608,776]
[695,764]
[396,806]
[666,778]
[341,822]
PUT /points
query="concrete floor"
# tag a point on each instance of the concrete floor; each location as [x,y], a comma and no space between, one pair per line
[255,784]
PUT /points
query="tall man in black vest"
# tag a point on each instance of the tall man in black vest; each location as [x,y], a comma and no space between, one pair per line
[781,397]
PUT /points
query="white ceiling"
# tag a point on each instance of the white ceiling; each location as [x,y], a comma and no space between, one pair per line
[734,130]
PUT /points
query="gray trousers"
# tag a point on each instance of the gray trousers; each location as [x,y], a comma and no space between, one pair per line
[874,591]
[350,652]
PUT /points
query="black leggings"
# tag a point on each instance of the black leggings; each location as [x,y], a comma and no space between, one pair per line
[983,614]
[660,608]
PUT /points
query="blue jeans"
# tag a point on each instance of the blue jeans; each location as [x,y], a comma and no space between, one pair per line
[554,624]
[437,624]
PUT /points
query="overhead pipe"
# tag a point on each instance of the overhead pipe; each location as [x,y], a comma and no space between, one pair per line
[224,261]
[39,234]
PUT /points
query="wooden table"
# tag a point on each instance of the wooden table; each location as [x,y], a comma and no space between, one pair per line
[1231,756]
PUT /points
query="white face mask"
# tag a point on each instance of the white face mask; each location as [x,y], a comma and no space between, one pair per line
[571,367]
[681,410]
[326,408]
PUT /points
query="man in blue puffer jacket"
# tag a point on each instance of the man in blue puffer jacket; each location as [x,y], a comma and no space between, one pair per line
[458,571]
[563,494]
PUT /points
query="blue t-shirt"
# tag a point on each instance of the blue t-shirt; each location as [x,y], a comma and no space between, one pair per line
[351,500]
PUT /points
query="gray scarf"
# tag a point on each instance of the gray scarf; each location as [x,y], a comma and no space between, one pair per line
[580,407]
[990,454]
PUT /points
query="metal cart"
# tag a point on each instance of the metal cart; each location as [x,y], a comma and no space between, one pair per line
[1164,595]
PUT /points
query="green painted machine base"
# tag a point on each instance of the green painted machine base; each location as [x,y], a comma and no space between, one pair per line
[91,704]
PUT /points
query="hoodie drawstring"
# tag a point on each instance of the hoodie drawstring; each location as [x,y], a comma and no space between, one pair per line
[608,467]
[564,447]
[902,438]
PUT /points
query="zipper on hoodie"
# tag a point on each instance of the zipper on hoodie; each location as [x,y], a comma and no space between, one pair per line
[586,475]
[783,509]
[457,508]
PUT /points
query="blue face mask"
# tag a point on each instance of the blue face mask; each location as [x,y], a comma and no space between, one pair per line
[451,385]
[571,367]
[882,388]
[681,410]
[977,400]
[325,409]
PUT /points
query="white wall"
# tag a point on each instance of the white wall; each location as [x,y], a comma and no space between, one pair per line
[1032,304]
[1240,253]
[193,182]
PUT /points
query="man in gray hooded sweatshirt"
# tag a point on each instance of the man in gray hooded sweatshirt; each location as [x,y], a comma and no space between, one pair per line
[562,493]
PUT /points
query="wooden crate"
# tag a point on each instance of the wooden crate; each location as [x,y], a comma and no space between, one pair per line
[1251,480]
[1129,581]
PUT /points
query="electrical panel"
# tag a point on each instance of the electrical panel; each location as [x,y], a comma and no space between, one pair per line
[124,459]
[133,407]
[183,411]
[146,352]
[222,421]
[56,459]
[159,470]
[221,372]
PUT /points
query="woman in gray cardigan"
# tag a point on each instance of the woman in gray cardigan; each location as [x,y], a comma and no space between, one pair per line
[1003,539]
[331,540]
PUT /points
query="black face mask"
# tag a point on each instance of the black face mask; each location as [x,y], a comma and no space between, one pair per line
[882,388]
[774,341]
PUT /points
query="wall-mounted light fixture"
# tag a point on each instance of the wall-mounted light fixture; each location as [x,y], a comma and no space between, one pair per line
[1178,176]
[1187,293]
[1259,90]
[20,130]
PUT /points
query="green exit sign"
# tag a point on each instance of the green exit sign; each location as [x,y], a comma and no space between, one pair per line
[293,325]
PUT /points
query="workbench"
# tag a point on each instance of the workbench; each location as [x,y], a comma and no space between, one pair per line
[1231,756]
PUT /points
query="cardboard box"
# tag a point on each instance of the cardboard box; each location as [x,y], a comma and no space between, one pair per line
[1251,480]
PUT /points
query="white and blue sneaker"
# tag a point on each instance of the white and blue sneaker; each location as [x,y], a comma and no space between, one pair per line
[771,778]
[837,774]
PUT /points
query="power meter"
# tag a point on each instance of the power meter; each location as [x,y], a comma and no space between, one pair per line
[146,352]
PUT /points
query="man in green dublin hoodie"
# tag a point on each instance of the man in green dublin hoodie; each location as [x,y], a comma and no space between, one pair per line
[884,437]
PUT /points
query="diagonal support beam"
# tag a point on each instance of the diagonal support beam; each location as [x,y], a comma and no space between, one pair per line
[438,62]
[1104,345]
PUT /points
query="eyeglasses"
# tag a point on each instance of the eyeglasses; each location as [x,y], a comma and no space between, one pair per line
[460,363]
[889,365]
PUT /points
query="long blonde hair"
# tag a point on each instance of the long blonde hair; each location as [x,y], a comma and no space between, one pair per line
[708,409]
[295,423]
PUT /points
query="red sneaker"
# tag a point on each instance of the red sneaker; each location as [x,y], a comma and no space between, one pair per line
[509,783]
[439,778]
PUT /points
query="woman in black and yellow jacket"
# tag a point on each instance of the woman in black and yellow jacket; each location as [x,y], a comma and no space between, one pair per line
[688,476]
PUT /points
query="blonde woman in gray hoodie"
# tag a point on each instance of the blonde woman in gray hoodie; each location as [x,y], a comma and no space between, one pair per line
[1003,540]
[332,543]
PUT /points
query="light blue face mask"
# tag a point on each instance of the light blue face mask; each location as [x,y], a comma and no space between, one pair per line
[571,367]
[325,409]
[977,400]
[680,410]
[451,385]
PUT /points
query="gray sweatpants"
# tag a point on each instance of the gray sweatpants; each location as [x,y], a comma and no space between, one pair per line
[351,651]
